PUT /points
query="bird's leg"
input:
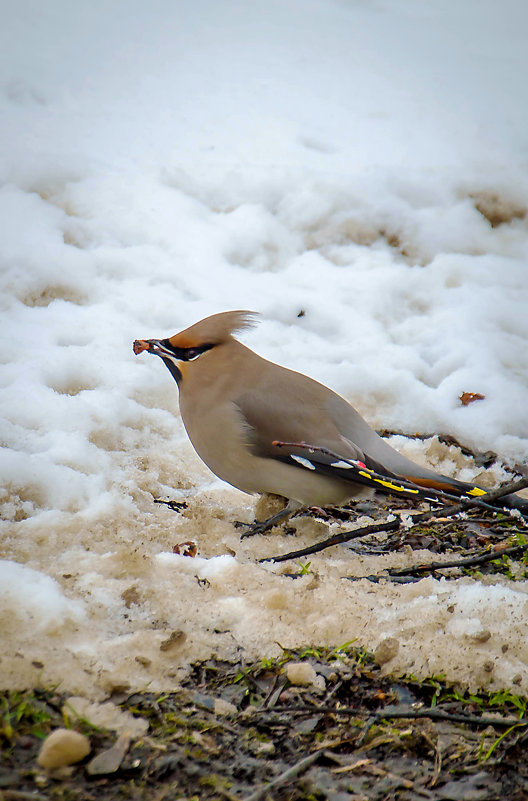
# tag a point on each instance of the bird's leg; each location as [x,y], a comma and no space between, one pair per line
[259,527]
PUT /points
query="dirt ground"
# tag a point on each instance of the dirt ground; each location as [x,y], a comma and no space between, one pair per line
[247,731]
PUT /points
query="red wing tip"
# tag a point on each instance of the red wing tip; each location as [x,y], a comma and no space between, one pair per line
[139,346]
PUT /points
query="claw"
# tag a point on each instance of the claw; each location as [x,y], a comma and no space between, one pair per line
[261,527]
[258,527]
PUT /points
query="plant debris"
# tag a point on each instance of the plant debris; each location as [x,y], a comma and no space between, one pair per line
[433,524]
[354,734]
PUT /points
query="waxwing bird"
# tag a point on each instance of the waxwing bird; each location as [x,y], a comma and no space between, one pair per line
[266,429]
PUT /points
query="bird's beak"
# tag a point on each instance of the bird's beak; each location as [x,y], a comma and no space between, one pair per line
[154,346]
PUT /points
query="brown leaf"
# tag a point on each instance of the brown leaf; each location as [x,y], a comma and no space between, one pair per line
[469,397]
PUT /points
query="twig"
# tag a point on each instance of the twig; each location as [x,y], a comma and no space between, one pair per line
[395,712]
[481,458]
[507,489]
[282,778]
[176,506]
[467,561]
[337,539]
[374,579]
[392,713]
[394,525]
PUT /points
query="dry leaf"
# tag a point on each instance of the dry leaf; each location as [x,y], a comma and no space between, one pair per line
[469,397]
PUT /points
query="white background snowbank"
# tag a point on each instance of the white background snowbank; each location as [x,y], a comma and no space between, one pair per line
[362,163]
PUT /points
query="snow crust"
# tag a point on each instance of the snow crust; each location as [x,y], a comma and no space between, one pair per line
[357,173]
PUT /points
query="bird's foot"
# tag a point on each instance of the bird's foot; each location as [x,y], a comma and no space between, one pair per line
[257,527]
[261,527]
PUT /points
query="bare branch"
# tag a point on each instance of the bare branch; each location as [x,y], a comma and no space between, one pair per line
[467,561]
[337,539]
[394,712]
[394,525]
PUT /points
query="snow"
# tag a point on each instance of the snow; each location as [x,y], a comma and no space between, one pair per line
[354,172]
[41,604]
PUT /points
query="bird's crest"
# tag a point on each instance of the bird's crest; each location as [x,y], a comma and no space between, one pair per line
[214,329]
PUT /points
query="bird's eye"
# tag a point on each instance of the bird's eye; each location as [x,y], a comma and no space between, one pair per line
[189,354]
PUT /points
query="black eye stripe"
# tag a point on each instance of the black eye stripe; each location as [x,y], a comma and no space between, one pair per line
[186,354]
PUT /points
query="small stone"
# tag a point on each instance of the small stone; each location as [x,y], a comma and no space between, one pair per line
[300,673]
[63,747]
[319,683]
[222,707]
[386,650]
[481,636]
[144,660]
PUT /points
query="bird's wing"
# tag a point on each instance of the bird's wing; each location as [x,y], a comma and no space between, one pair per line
[304,436]
[270,417]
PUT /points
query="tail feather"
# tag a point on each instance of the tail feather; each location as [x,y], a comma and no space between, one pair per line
[452,485]
[421,483]
[445,484]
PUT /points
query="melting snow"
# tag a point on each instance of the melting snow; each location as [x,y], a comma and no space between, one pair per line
[354,172]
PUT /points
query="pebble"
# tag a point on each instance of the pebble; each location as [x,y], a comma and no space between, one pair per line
[481,636]
[301,673]
[63,747]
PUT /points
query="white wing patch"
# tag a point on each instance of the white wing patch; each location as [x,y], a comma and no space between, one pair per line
[344,465]
[305,462]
